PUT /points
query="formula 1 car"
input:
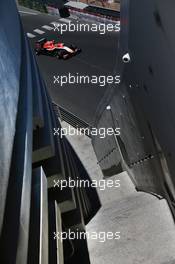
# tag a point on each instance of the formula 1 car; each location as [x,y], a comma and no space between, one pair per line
[59,50]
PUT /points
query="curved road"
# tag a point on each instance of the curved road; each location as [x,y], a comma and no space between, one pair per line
[97,58]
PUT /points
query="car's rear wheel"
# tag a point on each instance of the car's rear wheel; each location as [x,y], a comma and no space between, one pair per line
[62,55]
[65,56]
[73,47]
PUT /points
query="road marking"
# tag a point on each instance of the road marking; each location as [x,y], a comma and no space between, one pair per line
[55,23]
[39,31]
[73,17]
[29,35]
[47,27]
[29,13]
[65,20]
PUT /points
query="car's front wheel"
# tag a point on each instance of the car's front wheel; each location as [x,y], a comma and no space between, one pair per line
[37,52]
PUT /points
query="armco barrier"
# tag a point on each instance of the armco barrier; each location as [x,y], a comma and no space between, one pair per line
[94,14]
[81,14]
[86,15]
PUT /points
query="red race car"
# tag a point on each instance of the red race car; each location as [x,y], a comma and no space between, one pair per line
[59,50]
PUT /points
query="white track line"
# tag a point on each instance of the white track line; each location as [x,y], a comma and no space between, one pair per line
[65,20]
[73,17]
[55,23]
[47,27]
[29,13]
[39,31]
[29,35]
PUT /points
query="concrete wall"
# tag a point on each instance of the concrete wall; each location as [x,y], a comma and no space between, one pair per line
[143,104]
[32,157]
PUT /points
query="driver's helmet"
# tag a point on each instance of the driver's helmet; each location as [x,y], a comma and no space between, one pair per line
[60,44]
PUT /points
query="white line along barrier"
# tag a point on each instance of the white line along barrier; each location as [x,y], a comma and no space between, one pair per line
[28,13]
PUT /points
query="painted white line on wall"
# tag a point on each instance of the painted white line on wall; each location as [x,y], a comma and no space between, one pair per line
[30,35]
[39,31]
[47,27]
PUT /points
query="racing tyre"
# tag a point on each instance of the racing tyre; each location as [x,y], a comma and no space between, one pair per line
[37,52]
[62,55]
[73,47]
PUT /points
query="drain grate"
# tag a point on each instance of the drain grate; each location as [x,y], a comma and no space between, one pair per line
[71,119]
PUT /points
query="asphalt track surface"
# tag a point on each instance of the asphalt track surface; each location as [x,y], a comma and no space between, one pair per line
[98,57]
